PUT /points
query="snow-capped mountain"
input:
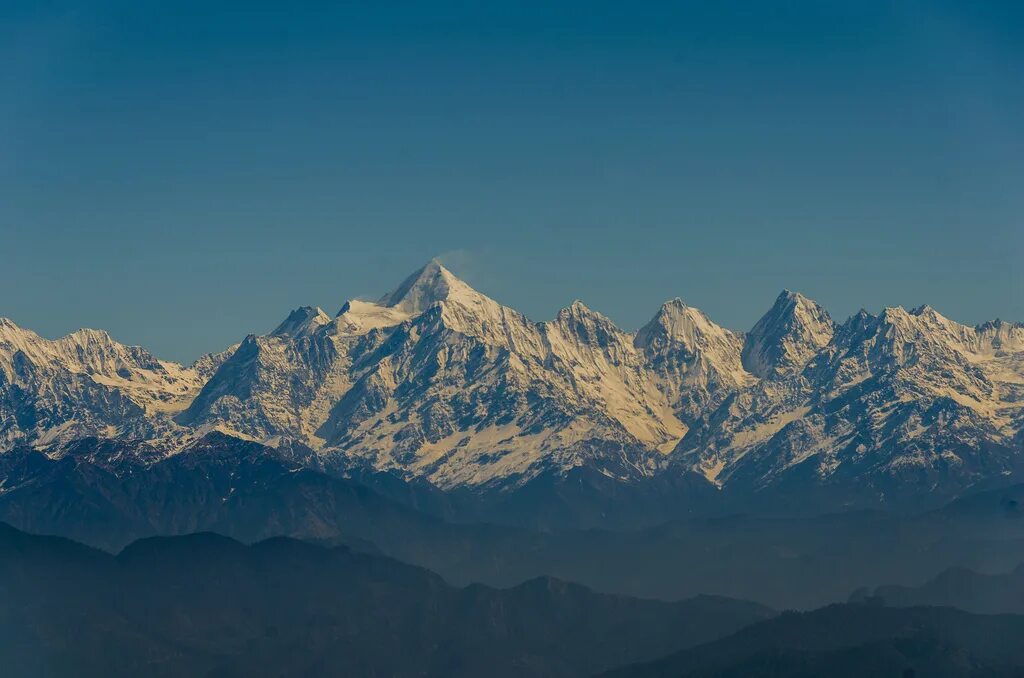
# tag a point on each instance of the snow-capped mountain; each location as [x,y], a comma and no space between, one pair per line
[440,381]
[697,363]
[902,398]
[437,381]
[787,337]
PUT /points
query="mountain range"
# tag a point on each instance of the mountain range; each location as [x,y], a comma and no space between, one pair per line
[437,383]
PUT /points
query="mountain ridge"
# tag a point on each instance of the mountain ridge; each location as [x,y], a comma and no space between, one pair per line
[438,381]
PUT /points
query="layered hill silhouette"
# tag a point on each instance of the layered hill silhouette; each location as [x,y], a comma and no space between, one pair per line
[855,640]
[957,587]
[207,605]
[251,493]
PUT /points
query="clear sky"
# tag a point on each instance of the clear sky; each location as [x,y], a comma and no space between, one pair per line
[182,175]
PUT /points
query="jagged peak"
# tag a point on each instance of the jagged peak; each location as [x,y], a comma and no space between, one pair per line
[891,314]
[302,321]
[858,322]
[89,333]
[586,325]
[787,336]
[931,315]
[676,307]
[12,334]
[577,310]
[788,299]
[83,335]
[681,322]
[789,305]
[921,316]
[1000,335]
[87,336]
[998,324]
[577,306]
[862,313]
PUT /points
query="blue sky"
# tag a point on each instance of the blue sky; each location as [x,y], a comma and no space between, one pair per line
[181,175]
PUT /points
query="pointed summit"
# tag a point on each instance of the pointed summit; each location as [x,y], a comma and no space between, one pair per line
[426,288]
[682,324]
[579,319]
[302,321]
[686,347]
[787,337]
[578,309]
[431,284]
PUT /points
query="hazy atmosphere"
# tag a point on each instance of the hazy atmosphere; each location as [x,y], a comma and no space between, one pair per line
[208,168]
[570,339]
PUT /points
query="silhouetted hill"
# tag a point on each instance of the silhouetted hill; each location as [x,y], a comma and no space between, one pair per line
[855,640]
[204,604]
[251,492]
[960,588]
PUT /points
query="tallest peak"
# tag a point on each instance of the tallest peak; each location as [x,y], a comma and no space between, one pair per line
[427,286]
[433,266]
[789,298]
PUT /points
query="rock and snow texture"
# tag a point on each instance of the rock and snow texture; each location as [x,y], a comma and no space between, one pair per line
[697,363]
[86,384]
[787,337]
[436,380]
[905,397]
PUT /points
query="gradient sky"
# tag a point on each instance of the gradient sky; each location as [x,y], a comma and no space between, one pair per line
[182,176]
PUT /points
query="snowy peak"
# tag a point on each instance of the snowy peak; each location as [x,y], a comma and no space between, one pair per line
[302,322]
[85,383]
[578,312]
[690,327]
[924,336]
[462,307]
[587,326]
[696,362]
[787,337]
[436,297]
[1000,336]
[921,328]
[84,350]
[428,286]
[13,337]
